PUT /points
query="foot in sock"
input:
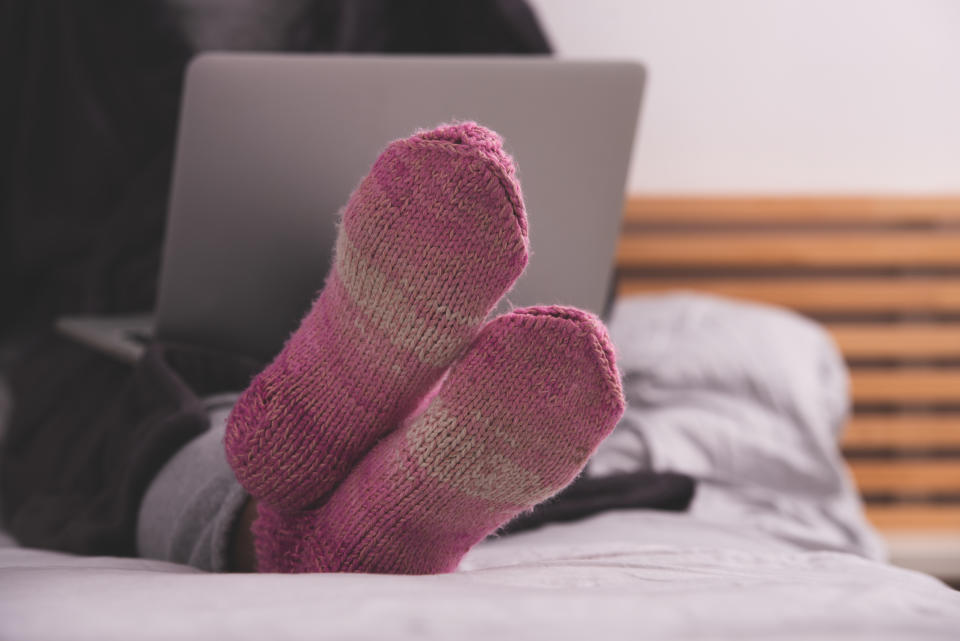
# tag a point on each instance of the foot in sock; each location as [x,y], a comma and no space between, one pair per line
[513,423]
[429,242]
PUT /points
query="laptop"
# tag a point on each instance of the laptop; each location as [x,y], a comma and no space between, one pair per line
[270,147]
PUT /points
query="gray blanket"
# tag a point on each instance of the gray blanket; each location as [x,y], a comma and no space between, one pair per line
[748,399]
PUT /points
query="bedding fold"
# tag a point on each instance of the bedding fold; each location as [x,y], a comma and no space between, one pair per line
[748,399]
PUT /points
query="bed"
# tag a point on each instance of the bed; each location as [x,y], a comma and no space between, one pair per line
[748,399]
[621,575]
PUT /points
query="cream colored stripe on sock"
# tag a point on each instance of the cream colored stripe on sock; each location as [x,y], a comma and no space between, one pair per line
[387,304]
[390,305]
[441,444]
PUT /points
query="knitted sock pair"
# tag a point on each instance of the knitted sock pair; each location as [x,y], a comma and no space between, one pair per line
[359,460]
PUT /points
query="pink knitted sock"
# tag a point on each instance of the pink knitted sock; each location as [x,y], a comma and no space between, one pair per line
[430,241]
[513,423]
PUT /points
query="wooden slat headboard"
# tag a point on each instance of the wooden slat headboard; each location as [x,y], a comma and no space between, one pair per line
[883,275]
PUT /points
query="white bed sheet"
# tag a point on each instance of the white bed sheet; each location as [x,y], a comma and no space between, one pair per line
[621,575]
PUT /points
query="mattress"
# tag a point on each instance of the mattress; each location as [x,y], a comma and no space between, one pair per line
[620,575]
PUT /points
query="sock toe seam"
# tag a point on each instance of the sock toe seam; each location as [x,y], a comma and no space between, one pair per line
[509,185]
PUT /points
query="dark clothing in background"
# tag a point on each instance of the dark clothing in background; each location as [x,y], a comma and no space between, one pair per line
[88,116]
[88,113]
[77,464]
[587,496]
[87,122]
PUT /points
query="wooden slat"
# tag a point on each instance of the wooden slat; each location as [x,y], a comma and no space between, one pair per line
[915,517]
[903,431]
[907,476]
[791,210]
[840,233]
[906,340]
[907,385]
[818,295]
[789,249]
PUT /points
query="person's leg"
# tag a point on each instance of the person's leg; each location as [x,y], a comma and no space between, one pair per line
[192,509]
[243,551]
[514,422]
[430,241]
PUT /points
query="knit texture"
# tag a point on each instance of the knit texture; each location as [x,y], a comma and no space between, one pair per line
[429,242]
[513,423]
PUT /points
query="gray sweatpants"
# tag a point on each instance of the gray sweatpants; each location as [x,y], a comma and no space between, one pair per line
[189,510]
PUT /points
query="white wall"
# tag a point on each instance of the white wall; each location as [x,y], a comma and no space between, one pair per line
[798,96]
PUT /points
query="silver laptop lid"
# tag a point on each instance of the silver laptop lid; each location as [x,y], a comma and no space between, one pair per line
[270,147]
